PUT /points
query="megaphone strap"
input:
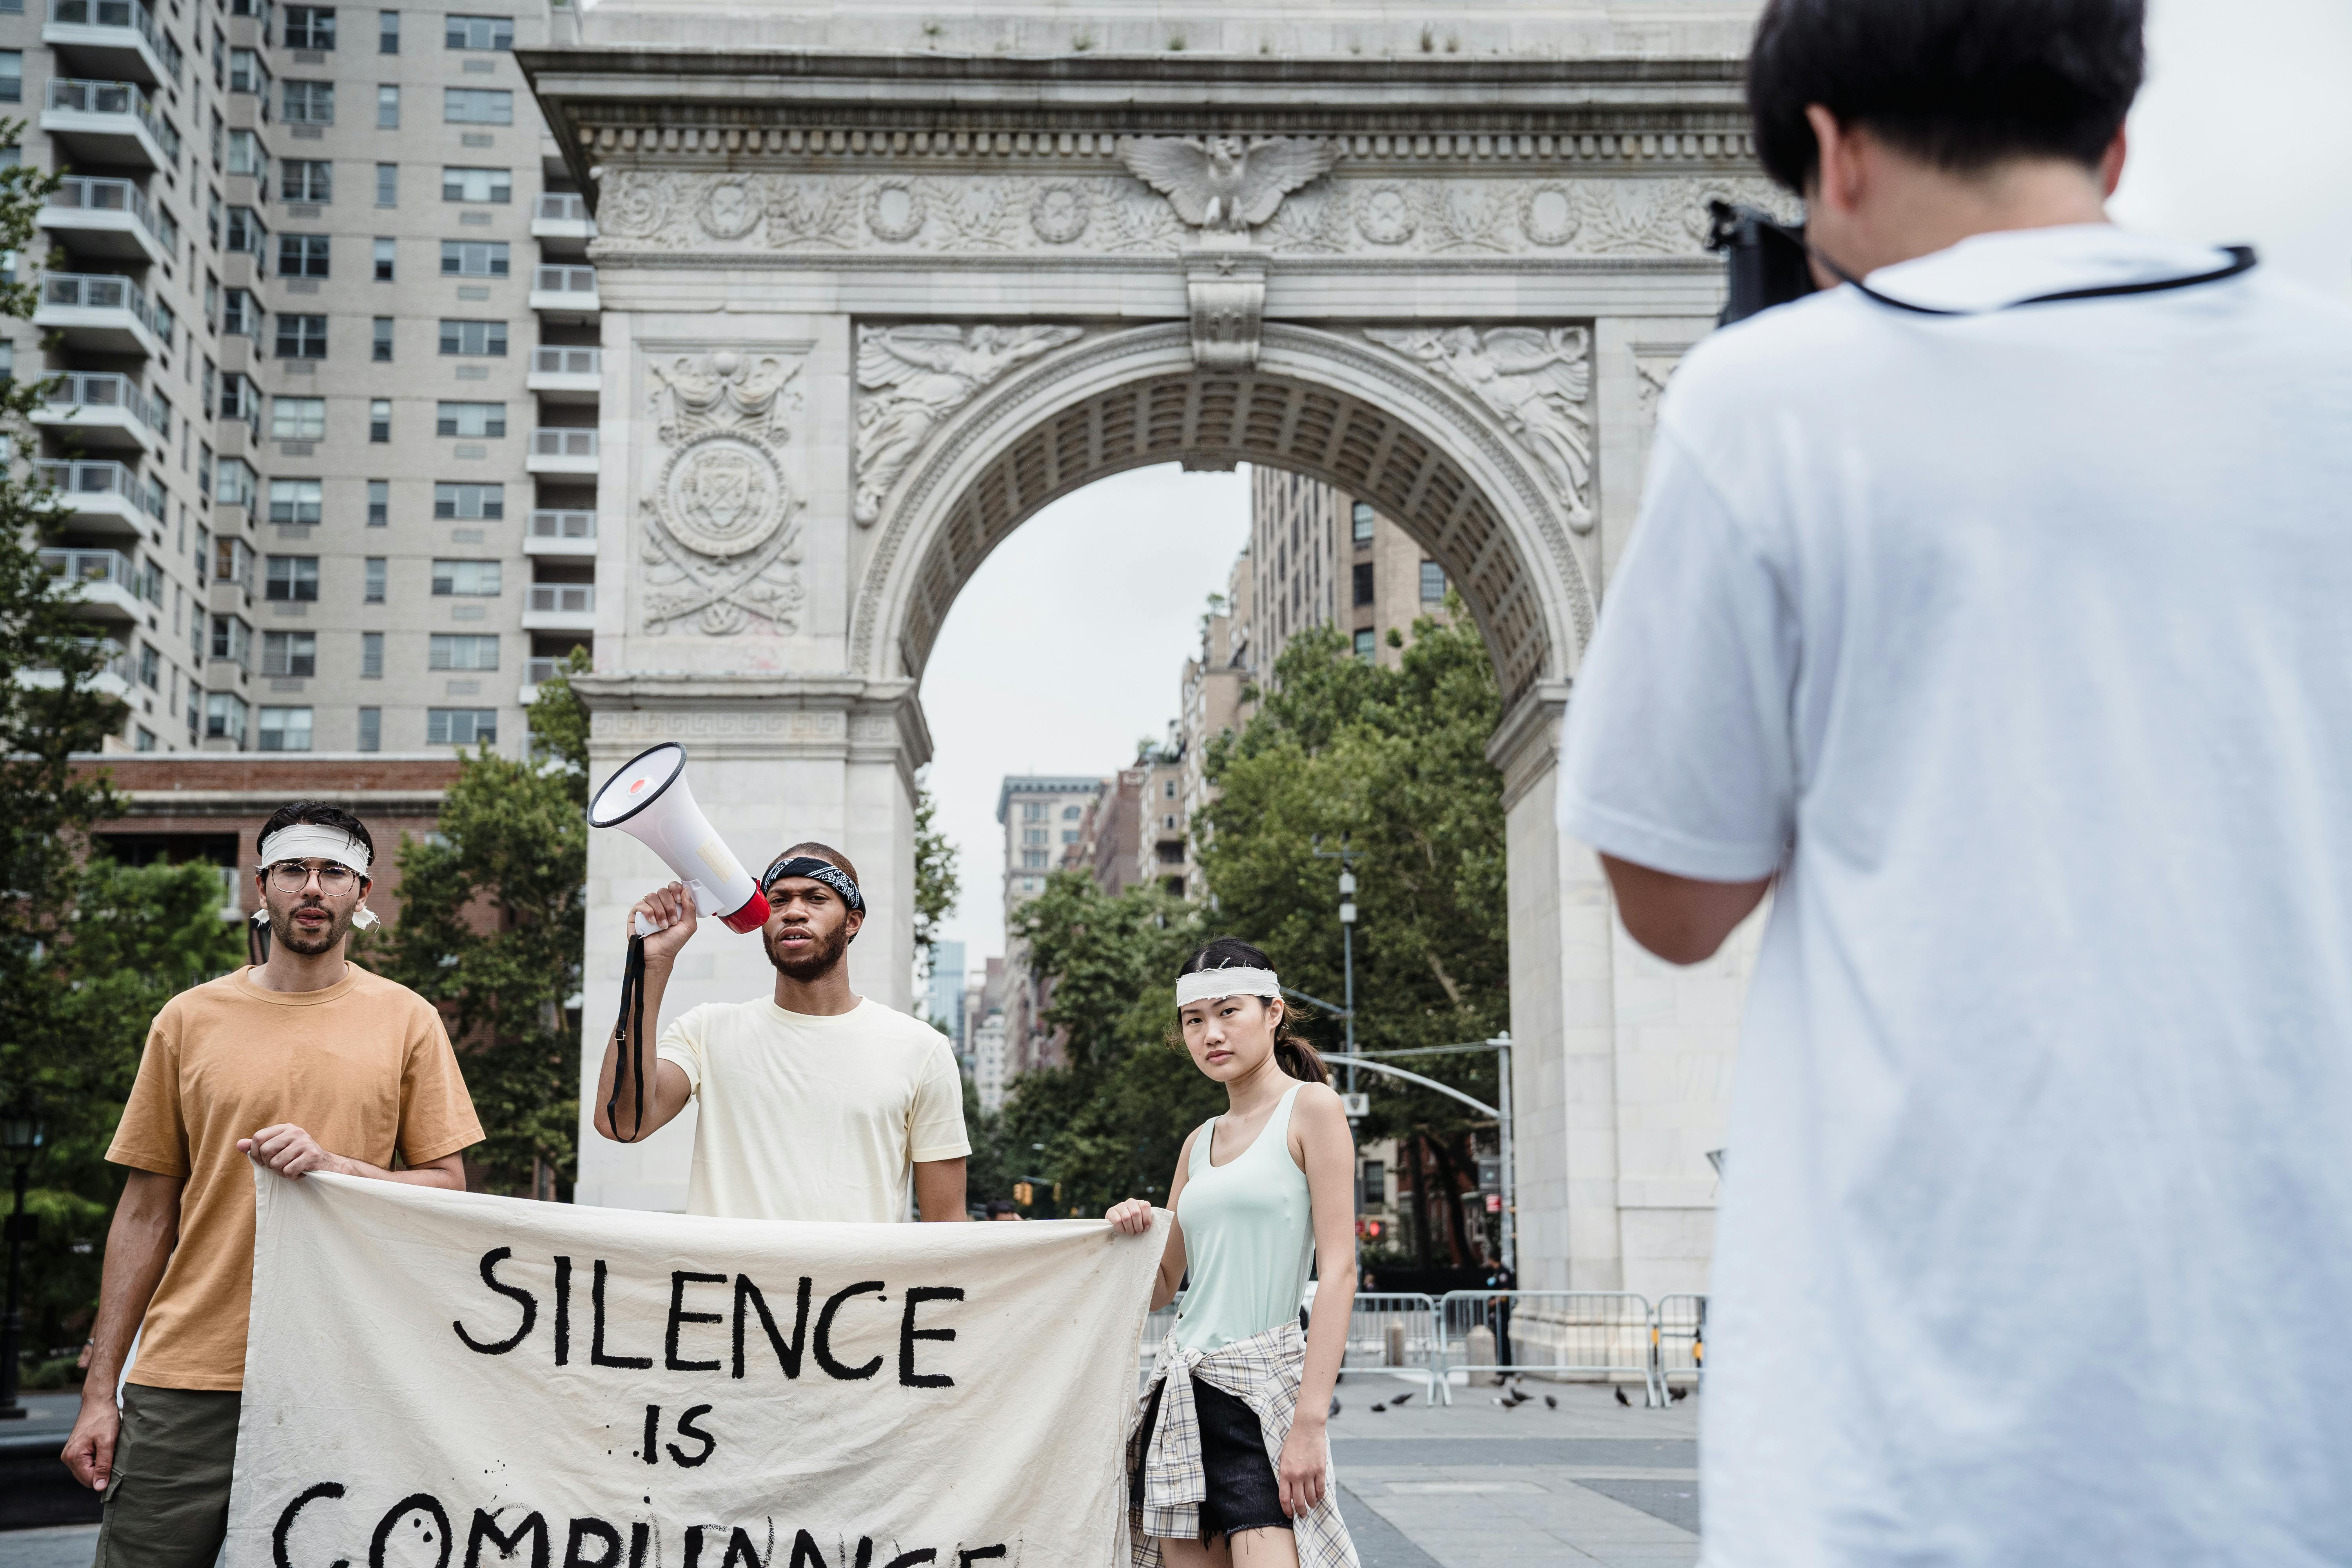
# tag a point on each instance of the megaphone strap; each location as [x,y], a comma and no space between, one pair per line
[629,1040]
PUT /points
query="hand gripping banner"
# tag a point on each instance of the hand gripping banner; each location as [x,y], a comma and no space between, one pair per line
[446,1380]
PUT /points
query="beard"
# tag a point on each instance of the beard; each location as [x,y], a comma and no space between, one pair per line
[283,930]
[822,957]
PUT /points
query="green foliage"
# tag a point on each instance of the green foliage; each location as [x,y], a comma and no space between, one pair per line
[492,921]
[935,882]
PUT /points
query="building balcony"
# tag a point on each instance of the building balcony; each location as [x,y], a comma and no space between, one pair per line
[100,409]
[563,451]
[564,293]
[561,219]
[99,312]
[560,607]
[94,497]
[105,217]
[566,374]
[120,36]
[99,579]
[112,678]
[565,535]
[537,672]
[109,122]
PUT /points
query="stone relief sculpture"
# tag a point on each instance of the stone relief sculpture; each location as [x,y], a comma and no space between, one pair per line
[1222,183]
[913,378]
[720,541]
[1535,381]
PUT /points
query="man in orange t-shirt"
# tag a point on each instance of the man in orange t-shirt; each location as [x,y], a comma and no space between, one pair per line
[305,1063]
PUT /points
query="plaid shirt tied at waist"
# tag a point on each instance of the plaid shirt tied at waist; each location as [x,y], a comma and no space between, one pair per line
[1264,1373]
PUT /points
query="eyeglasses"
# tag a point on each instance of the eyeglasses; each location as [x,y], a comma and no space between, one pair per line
[293,876]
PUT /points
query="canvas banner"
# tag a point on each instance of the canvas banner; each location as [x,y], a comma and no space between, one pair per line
[446,1380]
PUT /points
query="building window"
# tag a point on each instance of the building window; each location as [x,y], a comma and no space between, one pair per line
[1367,644]
[291,579]
[480,32]
[380,420]
[285,729]
[307,180]
[1363,582]
[380,342]
[379,503]
[387,107]
[232,639]
[144,741]
[310,103]
[473,258]
[387,32]
[386,249]
[1360,515]
[1071,813]
[302,256]
[290,653]
[241,315]
[453,651]
[370,655]
[1033,812]
[301,337]
[1033,836]
[225,717]
[387,185]
[150,668]
[297,419]
[477,338]
[1069,836]
[11,76]
[309,26]
[374,592]
[1433,582]
[372,719]
[474,420]
[246,155]
[294,500]
[248,74]
[246,231]
[477,106]
[235,487]
[458,185]
[469,501]
[460,726]
[1032,860]
[475,579]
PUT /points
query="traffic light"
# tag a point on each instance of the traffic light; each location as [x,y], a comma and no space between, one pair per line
[1023,1193]
[1057,1192]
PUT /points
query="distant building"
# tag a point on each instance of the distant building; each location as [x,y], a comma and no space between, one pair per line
[988,1074]
[1041,817]
[1318,557]
[947,985]
[1214,706]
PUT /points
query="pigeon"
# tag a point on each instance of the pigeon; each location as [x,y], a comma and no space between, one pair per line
[1400,1398]
[1549,1403]
[1621,1397]
[1335,1404]
[1677,1395]
[1379,1409]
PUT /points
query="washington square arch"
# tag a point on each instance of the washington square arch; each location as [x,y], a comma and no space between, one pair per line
[878,282]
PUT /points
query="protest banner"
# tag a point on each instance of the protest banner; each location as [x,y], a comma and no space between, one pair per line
[448,1380]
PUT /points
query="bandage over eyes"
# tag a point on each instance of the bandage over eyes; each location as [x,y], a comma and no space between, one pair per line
[1206,985]
[316,841]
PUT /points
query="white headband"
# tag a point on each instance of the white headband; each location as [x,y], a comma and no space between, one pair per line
[1203,983]
[316,841]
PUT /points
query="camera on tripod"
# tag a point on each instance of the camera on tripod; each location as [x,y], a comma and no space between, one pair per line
[1764,259]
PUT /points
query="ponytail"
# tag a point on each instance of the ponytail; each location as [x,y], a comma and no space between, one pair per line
[1296,1056]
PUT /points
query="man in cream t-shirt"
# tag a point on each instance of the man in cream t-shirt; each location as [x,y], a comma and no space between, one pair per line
[815,1103]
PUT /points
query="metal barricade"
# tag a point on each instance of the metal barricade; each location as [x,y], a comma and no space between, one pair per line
[1678,1341]
[1596,1335]
[1394,1333]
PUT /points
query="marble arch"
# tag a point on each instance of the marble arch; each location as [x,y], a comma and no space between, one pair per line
[877,282]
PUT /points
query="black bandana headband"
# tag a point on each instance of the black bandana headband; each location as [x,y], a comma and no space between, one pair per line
[816,870]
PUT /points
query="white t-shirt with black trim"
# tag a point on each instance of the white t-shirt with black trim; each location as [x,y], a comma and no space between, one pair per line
[2020,646]
[813,1118]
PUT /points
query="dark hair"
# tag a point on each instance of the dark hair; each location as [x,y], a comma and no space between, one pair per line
[1291,1053]
[1962,84]
[317,813]
[825,852]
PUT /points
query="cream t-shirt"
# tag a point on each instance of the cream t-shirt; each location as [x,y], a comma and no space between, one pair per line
[813,1118]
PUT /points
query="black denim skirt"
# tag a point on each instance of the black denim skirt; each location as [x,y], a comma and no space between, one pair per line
[1240,1492]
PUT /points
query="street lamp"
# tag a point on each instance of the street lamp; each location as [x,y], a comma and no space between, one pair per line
[20,1138]
[1346,859]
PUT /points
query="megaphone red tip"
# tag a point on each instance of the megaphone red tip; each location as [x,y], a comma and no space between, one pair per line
[751,917]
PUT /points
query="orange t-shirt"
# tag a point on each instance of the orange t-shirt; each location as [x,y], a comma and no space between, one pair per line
[364,1066]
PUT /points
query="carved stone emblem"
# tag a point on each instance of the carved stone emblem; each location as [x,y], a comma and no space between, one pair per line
[1384,214]
[1547,214]
[720,535]
[1535,381]
[1059,211]
[728,210]
[913,378]
[894,211]
[1223,183]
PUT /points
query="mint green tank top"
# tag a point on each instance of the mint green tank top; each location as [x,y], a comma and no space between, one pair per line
[1249,1236]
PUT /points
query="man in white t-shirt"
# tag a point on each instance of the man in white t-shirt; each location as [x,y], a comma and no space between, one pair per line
[2009,640]
[814,1103]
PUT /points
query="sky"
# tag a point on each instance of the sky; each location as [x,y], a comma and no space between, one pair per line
[1068,644]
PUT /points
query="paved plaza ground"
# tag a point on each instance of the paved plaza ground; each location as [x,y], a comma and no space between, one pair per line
[1468,1486]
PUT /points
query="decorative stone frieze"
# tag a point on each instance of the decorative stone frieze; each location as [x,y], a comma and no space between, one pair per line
[1223,183]
[1536,382]
[911,378]
[721,540]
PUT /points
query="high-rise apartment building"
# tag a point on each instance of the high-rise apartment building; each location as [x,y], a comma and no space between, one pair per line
[1319,556]
[945,990]
[1040,815]
[323,400]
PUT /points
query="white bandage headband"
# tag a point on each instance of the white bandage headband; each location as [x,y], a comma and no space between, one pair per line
[316,841]
[1202,984]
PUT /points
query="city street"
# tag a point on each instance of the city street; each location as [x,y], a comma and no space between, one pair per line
[1470,1487]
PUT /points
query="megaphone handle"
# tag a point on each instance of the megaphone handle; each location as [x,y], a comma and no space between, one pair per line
[644,926]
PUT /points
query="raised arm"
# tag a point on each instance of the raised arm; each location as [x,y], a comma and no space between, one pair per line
[1326,1150]
[1133,1217]
[665,1082]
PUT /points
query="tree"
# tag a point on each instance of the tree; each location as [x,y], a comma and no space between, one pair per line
[492,922]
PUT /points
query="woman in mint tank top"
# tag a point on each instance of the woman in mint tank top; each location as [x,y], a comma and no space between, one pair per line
[1229,1462]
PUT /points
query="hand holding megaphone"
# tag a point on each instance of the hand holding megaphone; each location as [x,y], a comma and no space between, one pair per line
[667,918]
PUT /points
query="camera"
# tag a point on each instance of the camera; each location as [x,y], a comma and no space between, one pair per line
[1764,259]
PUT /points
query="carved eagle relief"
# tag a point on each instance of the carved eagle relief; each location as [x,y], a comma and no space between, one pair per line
[1222,183]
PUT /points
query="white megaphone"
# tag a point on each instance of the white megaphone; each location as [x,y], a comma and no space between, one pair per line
[648,800]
